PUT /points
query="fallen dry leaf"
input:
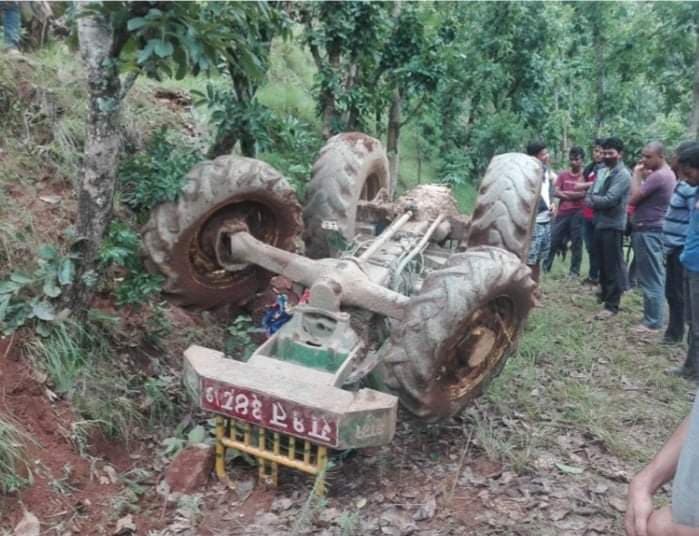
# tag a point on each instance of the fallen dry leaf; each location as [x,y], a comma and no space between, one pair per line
[28,525]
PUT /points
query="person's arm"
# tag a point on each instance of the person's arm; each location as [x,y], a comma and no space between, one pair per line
[640,191]
[617,190]
[558,188]
[575,195]
[583,185]
[644,485]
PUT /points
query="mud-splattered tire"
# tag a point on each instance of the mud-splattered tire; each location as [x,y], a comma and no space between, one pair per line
[507,202]
[180,236]
[350,167]
[458,331]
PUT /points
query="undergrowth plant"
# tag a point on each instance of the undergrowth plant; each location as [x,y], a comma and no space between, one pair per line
[31,297]
[295,144]
[232,118]
[239,343]
[13,462]
[82,364]
[120,256]
[157,174]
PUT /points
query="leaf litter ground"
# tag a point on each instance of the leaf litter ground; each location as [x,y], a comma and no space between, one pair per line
[548,450]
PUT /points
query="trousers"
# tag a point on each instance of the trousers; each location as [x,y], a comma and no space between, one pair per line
[11,23]
[650,271]
[608,249]
[589,236]
[566,227]
[691,363]
[674,293]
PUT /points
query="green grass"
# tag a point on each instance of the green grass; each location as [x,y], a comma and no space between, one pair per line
[13,463]
[83,366]
[288,89]
[574,375]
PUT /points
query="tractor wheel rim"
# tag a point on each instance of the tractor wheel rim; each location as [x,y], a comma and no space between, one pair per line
[261,223]
[481,345]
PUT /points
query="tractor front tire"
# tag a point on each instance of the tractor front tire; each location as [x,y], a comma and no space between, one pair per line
[350,167]
[507,204]
[457,331]
[180,237]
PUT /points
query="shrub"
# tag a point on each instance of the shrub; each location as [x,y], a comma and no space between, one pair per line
[156,175]
[121,253]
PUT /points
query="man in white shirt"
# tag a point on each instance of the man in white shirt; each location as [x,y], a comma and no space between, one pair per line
[540,245]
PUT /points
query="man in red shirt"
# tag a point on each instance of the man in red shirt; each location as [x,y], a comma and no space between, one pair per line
[568,224]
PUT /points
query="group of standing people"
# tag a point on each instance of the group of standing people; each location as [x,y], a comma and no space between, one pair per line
[599,205]
[657,204]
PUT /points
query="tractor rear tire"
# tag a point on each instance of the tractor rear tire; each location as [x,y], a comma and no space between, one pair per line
[457,331]
[507,204]
[350,167]
[180,237]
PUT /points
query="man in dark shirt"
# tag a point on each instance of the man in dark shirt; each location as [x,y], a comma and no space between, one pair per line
[609,197]
[567,225]
[590,173]
[651,188]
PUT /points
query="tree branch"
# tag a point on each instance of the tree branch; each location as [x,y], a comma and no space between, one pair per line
[414,111]
[128,82]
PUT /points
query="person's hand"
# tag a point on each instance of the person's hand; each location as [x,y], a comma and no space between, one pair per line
[639,508]
[638,170]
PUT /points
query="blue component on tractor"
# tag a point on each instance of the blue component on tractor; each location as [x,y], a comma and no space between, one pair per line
[276,315]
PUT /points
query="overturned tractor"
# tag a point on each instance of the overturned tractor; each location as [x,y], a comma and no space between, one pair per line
[407,300]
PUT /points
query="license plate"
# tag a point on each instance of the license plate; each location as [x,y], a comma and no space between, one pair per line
[269,412]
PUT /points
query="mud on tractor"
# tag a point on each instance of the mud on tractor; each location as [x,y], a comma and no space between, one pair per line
[407,300]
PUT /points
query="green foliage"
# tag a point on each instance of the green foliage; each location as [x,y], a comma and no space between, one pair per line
[120,252]
[233,117]
[172,445]
[163,38]
[31,297]
[156,175]
[294,144]
[239,344]
[364,51]
[160,399]
[456,168]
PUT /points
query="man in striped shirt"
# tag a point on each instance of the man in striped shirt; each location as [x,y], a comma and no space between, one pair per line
[674,234]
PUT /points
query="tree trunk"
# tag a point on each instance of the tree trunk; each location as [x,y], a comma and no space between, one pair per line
[418,155]
[392,138]
[694,120]
[102,147]
[223,144]
[351,121]
[598,44]
[245,91]
[327,97]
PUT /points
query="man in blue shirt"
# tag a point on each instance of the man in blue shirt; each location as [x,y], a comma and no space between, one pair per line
[675,228]
[690,260]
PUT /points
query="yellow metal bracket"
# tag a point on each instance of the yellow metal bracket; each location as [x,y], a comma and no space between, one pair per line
[271,449]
